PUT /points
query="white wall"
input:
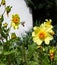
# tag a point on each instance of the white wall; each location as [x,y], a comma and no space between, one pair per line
[19,7]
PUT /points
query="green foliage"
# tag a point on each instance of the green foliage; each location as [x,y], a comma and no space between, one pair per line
[23,51]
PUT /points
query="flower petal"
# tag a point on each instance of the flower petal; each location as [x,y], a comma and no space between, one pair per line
[33,33]
[37,41]
[48,39]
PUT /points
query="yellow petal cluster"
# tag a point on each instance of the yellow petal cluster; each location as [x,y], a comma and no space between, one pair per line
[48,26]
[43,33]
[15,21]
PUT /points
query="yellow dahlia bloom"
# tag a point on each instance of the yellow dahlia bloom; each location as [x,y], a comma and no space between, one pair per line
[40,34]
[15,21]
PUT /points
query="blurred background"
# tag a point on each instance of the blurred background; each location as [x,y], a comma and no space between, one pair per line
[43,9]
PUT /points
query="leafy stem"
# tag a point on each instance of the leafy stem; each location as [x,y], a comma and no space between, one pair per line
[24,55]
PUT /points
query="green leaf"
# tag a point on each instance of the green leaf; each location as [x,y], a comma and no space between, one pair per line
[33,63]
[9,52]
[2,64]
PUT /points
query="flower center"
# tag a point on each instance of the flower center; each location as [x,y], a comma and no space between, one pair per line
[15,20]
[41,35]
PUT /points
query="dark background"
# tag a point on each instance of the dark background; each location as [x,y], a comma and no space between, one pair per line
[43,9]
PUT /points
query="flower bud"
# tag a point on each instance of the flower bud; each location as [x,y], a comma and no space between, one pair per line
[3,2]
[5,24]
[52,54]
[13,36]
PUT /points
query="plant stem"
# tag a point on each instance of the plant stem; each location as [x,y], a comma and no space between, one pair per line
[40,57]
[9,61]
[24,55]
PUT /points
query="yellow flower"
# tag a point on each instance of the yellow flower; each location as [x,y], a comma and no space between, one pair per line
[40,34]
[15,21]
